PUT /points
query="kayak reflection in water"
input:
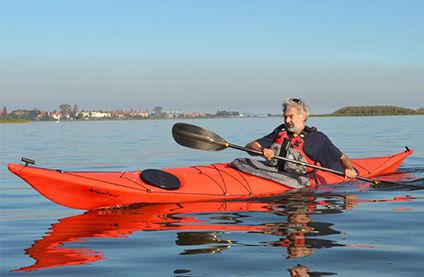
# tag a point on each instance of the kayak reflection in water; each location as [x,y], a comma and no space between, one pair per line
[296,234]
[294,140]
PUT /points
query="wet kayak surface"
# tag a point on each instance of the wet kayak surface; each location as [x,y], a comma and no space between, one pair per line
[346,230]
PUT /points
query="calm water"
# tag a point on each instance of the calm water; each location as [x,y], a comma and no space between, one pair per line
[345,231]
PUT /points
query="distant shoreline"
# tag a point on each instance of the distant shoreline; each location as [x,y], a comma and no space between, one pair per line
[24,116]
[12,121]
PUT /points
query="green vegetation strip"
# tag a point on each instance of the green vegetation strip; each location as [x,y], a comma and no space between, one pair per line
[374,111]
[14,121]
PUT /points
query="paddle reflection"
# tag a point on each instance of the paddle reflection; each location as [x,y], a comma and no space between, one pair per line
[199,227]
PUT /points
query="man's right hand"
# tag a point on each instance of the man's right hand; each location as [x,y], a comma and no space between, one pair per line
[267,153]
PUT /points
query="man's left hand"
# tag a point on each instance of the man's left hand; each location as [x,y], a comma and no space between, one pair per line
[350,173]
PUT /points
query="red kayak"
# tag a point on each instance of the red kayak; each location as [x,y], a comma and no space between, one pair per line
[95,190]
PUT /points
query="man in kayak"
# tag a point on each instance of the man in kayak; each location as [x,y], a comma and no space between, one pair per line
[296,141]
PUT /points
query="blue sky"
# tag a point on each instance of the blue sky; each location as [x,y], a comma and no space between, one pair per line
[211,55]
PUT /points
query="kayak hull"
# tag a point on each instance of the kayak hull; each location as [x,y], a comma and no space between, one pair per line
[214,182]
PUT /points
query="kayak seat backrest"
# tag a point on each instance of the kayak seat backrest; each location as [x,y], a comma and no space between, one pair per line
[160,179]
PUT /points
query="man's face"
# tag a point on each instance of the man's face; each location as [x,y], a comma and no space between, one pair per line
[294,119]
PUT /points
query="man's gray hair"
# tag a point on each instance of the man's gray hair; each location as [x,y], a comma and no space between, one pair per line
[298,103]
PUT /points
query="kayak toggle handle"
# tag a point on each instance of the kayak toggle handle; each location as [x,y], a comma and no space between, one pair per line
[27,161]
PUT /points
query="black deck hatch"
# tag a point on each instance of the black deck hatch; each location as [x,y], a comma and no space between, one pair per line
[160,179]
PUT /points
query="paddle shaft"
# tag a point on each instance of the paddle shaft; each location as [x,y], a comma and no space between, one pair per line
[199,138]
[252,151]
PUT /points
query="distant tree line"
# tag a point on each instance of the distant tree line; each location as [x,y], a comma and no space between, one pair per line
[21,114]
[227,113]
[376,110]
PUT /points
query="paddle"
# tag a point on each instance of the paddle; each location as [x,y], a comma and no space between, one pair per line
[199,138]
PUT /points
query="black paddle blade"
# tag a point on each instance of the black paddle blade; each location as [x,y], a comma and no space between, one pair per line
[198,138]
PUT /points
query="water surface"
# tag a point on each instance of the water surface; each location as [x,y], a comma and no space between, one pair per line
[344,231]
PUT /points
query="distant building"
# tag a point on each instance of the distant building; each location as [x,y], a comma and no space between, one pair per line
[171,114]
[194,115]
[143,114]
[95,115]
[56,115]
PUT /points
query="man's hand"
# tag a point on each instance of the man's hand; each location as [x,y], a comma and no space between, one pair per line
[268,154]
[350,173]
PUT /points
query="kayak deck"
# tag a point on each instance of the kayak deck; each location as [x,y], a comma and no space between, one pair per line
[94,190]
